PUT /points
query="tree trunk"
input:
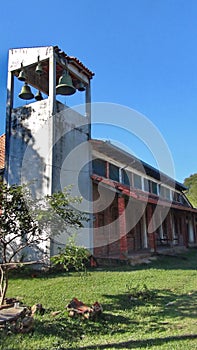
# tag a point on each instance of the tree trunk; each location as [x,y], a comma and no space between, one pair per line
[4,284]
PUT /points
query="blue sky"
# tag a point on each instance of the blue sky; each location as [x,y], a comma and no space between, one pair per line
[143,53]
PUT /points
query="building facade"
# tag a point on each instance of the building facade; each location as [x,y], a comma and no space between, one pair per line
[131,208]
[144,214]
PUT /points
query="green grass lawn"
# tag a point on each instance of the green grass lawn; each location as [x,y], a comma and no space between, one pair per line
[166,319]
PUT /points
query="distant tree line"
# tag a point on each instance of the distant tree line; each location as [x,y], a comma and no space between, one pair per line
[191,192]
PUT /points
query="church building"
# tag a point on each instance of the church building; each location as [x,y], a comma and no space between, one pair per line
[132,207]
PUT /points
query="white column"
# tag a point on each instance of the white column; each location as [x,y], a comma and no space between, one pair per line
[9,106]
[144,229]
[191,231]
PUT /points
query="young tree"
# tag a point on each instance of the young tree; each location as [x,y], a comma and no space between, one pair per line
[28,223]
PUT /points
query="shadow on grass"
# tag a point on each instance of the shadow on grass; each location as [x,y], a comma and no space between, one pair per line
[122,314]
[118,318]
[66,330]
[132,344]
[73,329]
[167,304]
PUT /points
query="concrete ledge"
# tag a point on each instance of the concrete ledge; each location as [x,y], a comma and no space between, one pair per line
[10,314]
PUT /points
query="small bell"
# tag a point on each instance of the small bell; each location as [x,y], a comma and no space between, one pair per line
[39,69]
[22,76]
[38,96]
[26,93]
[80,86]
[65,86]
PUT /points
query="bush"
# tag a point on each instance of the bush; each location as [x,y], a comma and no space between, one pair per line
[72,257]
[140,292]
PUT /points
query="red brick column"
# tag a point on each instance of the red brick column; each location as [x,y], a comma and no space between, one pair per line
[122,226]
[169,228]
[151,233]
[184,230]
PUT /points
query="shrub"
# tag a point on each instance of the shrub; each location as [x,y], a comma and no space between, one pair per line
[140,292]
[72,257]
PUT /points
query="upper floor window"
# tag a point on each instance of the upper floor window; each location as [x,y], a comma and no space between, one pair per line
[99,167]
[146,185]
[150,186]
[165,192]
[154,187]
[137,181]
[113,172]
[183,200]
[179,197]
[176,196]
[126,177]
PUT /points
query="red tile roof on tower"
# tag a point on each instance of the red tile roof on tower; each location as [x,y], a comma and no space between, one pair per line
[2,151]
[74,60]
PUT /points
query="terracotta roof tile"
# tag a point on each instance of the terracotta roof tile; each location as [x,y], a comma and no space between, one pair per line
[2,151]
[74,59]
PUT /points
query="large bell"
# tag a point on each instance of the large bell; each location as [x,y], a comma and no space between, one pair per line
[65,85]
[38,96]
[26,93]
[38,69]
[22,76]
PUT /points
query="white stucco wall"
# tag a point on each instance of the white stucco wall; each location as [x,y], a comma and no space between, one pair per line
[50,152]
[71,165]
[30,143]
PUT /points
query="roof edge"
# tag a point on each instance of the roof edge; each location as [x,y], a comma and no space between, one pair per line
[178,185]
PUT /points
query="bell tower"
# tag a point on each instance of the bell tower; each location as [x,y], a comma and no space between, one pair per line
[46,140]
